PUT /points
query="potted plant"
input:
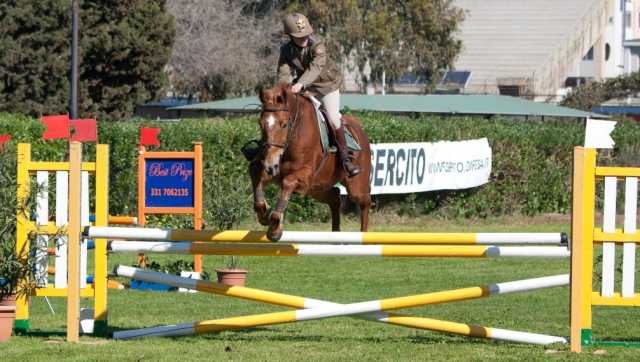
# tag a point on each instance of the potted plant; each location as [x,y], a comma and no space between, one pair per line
[231,274]
[12,270]
[226,205]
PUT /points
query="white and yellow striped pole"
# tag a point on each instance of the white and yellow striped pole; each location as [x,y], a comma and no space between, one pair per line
[465,251]
[374,315]
[321,237]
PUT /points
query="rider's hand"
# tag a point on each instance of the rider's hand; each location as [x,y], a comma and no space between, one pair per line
[296,88]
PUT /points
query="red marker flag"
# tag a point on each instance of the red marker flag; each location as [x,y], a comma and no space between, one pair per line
[84,130]
[4,138]
[57,126]
[149,136]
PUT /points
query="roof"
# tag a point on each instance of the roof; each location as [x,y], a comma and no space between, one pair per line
[618,109]
[402,103]
[169,102]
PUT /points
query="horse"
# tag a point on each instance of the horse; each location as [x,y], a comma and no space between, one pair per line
[292,156]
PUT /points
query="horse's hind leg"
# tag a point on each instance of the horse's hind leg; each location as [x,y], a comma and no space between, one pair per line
[358,192]
[258,179]
[332,198]
[364,215]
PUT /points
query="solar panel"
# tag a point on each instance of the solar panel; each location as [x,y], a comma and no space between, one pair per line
[457,78]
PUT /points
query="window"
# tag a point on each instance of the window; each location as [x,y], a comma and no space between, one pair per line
[627,19]
[607,51]
[589,55]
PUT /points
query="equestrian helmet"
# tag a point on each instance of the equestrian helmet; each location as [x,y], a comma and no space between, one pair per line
[297,25]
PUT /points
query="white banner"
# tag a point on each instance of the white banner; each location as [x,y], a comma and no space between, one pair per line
[398,168]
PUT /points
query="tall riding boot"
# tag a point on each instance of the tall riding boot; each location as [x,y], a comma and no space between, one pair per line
[343,152]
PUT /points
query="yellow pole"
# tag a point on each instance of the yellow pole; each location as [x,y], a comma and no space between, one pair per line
[582,227]
[100,252]
[385,304]
[197,198]
[22,225]
[73,291]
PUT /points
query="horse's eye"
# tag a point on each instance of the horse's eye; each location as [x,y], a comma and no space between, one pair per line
[284,125]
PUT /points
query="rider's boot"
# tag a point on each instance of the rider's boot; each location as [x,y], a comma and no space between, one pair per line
[343,152]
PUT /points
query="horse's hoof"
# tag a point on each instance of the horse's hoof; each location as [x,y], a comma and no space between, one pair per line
[263,213]
[274,235]
[263,219]
[275,226]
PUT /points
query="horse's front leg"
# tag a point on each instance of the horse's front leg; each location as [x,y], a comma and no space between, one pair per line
[258,179]
[289,185]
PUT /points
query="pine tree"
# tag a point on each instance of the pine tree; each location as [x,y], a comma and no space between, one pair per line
[124,48]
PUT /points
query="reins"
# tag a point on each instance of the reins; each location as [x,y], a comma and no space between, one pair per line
[291,124]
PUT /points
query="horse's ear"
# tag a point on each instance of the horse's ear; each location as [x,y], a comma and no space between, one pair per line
[261,95]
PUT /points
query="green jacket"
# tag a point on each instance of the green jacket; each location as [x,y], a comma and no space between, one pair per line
[310,66]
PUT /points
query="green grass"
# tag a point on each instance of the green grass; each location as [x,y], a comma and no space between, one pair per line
[341,280]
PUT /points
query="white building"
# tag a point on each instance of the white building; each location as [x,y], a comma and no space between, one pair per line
[542,47]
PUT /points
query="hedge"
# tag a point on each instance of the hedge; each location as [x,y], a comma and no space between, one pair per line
[531,172]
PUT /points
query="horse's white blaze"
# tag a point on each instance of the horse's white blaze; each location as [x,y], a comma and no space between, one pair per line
[271,121]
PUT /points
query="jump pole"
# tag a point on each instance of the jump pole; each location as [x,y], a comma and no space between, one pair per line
[465,251]
[390,318]
[73,288]
[319,237]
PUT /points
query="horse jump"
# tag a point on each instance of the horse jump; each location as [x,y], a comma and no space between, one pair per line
[309,309]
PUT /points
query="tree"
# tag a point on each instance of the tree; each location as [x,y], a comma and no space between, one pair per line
[394,37]
[124,48]
[593,94]
[223,47]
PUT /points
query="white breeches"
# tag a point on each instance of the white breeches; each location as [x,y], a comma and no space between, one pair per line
[331,106]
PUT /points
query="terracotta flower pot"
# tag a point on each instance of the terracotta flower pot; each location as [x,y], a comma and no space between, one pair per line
[232,276]
[7,317]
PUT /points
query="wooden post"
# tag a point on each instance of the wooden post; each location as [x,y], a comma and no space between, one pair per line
[73,291]
[100,251]
[582,223]
[197,199]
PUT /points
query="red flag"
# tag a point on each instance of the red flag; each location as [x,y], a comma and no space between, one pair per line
[83,130]
[149,136]
[4,138]
[57,126]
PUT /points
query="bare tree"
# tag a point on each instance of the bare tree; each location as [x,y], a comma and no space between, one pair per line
[223,47]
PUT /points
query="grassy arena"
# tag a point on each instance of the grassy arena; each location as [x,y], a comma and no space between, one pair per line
[342,280]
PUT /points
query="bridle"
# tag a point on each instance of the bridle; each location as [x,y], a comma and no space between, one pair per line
[291,123]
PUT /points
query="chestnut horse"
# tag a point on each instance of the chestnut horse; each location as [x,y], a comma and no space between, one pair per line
[292,157]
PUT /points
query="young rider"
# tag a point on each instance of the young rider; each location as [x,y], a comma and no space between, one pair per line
[305,58]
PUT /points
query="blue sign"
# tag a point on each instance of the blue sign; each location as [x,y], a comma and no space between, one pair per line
[169,182]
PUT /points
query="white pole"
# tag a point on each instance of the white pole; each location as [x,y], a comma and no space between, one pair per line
[321,237]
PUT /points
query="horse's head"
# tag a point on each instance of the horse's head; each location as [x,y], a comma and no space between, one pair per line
[275,125]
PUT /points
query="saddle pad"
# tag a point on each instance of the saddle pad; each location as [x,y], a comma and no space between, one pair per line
[352,144]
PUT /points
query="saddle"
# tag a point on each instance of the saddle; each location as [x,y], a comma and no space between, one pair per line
[326,135]
[252,149]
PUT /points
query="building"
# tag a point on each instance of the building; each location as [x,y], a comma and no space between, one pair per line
[542,48]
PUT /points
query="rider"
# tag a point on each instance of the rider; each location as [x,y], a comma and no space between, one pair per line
[305,58]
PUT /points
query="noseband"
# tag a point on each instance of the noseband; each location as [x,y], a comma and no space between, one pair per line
[291,122]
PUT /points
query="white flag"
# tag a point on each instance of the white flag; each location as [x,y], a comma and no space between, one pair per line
[598,134]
